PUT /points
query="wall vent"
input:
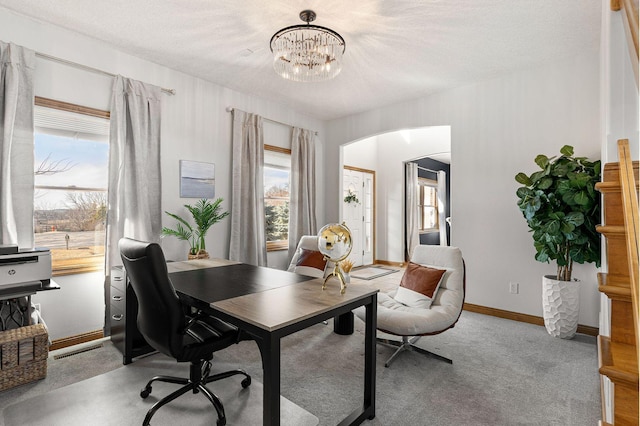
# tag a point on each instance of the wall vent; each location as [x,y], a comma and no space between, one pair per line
[78,351]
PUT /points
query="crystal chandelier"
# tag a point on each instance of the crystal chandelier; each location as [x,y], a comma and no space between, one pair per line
[307,52]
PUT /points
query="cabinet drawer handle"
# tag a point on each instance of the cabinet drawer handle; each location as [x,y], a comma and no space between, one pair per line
[117,317]
[117,278]
[117,298]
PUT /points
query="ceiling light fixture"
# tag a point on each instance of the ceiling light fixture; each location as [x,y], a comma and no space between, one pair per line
[307,52]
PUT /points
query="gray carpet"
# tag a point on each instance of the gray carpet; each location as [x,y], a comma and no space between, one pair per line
[503,373]
[118,391]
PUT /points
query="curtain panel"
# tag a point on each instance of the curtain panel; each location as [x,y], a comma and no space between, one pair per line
[302,204]
[134,200]
[442,206]
[16,145]
[412,215]
[247,242]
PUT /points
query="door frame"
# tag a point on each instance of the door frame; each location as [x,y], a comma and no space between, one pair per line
[373,202]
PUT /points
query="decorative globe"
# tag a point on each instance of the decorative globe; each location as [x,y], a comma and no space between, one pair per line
[334,241]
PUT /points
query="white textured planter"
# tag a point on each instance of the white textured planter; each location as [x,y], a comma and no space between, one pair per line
[560,305]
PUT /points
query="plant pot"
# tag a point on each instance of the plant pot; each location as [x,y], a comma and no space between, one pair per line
[560,306]
[202,254]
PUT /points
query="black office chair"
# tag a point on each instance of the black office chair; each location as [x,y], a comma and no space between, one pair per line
[170,328]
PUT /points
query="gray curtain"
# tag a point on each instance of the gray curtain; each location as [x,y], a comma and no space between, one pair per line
[16,145]
[442,206]
[247,243]
[411,208]
[134,165]
[302,204]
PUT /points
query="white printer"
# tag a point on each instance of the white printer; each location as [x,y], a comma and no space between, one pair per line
[24,266]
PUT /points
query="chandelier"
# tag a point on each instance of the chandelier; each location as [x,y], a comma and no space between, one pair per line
[307,52]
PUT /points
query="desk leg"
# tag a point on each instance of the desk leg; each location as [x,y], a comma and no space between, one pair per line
[270,351]
[370,359]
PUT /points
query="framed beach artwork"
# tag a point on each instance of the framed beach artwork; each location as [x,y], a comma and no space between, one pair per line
[197,179]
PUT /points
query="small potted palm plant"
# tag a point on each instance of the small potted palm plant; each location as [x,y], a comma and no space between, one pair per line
[205,214]
[562,208]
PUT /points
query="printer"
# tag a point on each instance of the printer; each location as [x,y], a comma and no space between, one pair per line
[24,267]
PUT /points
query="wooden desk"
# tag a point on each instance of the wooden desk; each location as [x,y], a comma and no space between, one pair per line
[270,304]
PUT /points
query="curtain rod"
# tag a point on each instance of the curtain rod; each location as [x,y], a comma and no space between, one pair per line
[427,170]
[88,68]
[315,132]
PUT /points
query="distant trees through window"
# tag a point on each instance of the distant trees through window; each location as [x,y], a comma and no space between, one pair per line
[277,170]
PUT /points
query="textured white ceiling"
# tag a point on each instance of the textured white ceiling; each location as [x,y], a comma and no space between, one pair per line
[395,49]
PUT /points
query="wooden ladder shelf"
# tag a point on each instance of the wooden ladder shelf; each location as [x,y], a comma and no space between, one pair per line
[618,353]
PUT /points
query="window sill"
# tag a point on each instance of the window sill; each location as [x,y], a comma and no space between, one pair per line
[77,266]
[277,245]
[428,231]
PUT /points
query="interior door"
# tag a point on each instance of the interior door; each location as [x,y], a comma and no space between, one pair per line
[368,184]
[359,213]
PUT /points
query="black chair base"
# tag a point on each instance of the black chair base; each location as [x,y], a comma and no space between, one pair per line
[408,345]
[198,378]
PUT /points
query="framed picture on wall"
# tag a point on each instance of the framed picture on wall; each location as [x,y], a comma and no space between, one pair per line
[197,179]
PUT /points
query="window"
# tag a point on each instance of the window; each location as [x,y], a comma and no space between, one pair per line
[428,205]
[277,170]
[71,176]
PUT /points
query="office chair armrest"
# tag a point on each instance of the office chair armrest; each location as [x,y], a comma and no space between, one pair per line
[192,319]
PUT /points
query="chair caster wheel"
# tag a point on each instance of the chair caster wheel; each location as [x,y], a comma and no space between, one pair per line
[145,392]
[246,382]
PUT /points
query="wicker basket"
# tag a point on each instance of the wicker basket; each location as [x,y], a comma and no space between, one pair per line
[23,355]
[202,254]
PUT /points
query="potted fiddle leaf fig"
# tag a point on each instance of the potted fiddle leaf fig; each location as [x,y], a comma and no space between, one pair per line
[562,208]
[205,214]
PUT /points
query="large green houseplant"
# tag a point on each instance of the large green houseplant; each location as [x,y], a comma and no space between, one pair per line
[562,209]
[205,214]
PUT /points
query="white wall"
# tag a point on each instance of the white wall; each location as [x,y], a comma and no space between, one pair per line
[77,308]
[195,126]
[619,87]
[497,129]
[362,154]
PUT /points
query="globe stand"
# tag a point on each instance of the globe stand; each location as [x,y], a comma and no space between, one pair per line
[337,272]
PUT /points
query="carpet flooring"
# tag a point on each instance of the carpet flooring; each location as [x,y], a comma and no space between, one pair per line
[503,373]
[84,402]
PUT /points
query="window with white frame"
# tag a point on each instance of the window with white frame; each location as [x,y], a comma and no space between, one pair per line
[71,177]
[277,171]
[428,205]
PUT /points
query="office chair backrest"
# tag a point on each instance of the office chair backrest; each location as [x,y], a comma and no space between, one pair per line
[161,318]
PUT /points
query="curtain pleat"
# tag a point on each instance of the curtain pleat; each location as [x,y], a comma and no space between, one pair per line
[247,243]
[16,145]
[302,204]
[135,189]
[411,208]
[442,206]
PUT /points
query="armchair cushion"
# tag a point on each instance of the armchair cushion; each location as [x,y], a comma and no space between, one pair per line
[312,259]
[418,285]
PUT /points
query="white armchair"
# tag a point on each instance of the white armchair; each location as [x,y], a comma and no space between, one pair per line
[307,259]
[412,322]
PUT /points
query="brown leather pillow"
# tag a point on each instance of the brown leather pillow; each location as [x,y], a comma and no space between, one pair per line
[422,279]
[311,258]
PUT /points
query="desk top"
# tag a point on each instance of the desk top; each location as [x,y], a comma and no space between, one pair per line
[228,281]
[283,306]
[267,298]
